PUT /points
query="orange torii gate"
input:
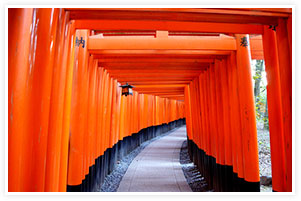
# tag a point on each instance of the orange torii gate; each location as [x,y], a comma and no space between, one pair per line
[65,73]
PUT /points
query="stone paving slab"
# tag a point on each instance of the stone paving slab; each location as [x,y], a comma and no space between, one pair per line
[157,167]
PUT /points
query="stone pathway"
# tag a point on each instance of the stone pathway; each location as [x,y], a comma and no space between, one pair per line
[157,167]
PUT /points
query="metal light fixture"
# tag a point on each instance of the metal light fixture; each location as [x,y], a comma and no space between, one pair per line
[127,89]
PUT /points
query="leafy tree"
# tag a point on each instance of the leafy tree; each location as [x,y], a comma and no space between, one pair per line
[260,95]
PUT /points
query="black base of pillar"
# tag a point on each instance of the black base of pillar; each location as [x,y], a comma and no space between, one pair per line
[219,177]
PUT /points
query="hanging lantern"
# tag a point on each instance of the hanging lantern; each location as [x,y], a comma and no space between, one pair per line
[127,89]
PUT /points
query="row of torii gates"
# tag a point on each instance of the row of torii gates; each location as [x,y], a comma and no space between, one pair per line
[68,123]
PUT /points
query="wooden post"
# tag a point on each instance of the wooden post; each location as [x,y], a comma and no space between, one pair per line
[213,120]
[249,132]
[227,119]
[52,172]
[214,143]
[188,113]
[19,68]
[77,128]
[67,110]
[283,34]
[228,166]
[40,80]
[220,112]
[275,109]
[208,109]
[203,111]
[238,160]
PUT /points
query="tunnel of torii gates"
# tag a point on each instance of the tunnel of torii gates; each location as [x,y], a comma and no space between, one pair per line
[68,123]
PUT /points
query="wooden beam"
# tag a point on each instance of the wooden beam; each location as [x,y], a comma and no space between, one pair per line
[136,83]
[223,16]
[143,55]
[151,60]
[160,86]
[160,76]
[154,71]
[152,65]
[161,93]
[152,79]
[165,74]
[150,25]
[173,95]
[277,12]
[161,43]
[173,53]
[142,50]
[157,69]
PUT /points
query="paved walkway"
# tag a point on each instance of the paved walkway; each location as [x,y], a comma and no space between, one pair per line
[157,167]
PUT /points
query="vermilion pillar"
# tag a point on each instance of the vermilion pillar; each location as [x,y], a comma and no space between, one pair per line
[203,123]
[196,112]
[43,48]
[101,105]
[122,116]
[213,120]
[109,111]
[283,35]
[228,168]
[203,105]
[274,98]
[247,113]
[104,111]
[220,160]
[226,117]
[91,123]
[188,113]
[114,116]
[76,163]
[19,154]
[54,143]
[67,110]
[220,113]
[209,135]
[237,152]
[214,123]
[118,104]
[208,113]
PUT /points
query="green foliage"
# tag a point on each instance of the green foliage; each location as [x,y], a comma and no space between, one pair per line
[257,76]
[260,105]
[260,96]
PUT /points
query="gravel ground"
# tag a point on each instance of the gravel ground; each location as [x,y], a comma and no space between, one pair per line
[194,178]
[112,181]
[264,152]
[265,188]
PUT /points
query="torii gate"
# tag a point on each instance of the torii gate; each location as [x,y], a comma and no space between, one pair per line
[164,59]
